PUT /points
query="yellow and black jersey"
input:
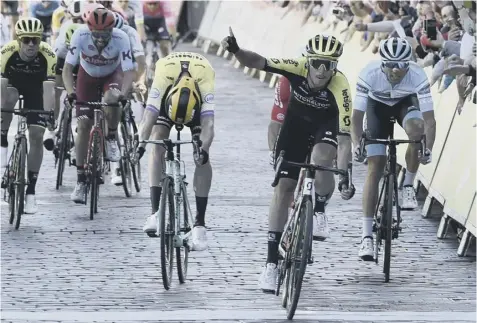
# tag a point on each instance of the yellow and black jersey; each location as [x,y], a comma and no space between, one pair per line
[168,70]
[57,19]
[336,96]
[27,75]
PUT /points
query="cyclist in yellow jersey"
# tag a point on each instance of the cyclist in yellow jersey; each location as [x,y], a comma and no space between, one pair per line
[27,68]
[182,93]
[59,16]
[319,110]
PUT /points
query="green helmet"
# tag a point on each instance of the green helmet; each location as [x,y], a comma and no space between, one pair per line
[69,33]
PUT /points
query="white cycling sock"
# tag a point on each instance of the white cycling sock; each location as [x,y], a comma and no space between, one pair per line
[409,178]
[367,227]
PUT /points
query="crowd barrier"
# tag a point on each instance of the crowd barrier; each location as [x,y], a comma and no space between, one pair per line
[449,180]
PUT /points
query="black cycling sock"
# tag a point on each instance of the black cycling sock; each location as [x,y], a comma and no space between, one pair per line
[320,202]
[111,133]
[155,192]
[273,241]
[201,206]
[32,177]
[4,139]
[80,174]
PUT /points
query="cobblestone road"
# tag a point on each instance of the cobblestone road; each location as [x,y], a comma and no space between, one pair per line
[62,267]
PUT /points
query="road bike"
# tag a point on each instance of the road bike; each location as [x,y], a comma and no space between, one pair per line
[174,216]
[295,247]
[14,180]
[385,227]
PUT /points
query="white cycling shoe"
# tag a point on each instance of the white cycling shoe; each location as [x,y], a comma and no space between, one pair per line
[409,200]
[321,231]
[199,238]
[150,227]
[112,150]
[30,204]
[268,278]
[366,249]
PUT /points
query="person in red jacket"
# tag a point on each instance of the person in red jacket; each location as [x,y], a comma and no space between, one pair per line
[155,15]
[279,110]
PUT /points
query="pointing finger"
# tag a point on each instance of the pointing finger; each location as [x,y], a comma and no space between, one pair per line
[231,32]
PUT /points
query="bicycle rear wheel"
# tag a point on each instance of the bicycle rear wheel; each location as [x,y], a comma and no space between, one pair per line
[182,253]
[20,181]
[167,228]
[300,250]
[387,225]
[94,176]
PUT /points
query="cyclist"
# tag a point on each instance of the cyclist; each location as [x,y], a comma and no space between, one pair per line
[43,11]
[134,15]
[13,8]
[279,111]
[139,86]
[182,93]
[27,65]
[113,7]
[155,13]
[105,59]
[391,87]
[319,109]
[59,16]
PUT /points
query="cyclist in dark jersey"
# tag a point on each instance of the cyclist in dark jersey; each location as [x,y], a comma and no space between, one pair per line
[43,11]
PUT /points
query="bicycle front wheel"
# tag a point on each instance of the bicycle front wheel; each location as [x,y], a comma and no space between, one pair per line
[64,137]
[300,250]
[167,228]
[387,225]
[20,181]
[94,174]
[182,253]
[124,165]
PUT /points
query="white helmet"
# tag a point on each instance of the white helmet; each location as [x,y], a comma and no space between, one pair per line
[76,8]
[395,49]
[119,20]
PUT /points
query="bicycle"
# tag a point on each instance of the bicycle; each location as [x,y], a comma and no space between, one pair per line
[130,170]
[385,227]
[173,232]
[95,164]
[65,142]
[14,179]
[295,247]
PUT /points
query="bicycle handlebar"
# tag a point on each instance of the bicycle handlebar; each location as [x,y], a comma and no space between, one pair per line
[166,142]
[281,162]
[98,105]
[25,112]
[394,142]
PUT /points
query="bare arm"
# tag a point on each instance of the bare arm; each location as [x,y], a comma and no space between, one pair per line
[357,126]
[207,133]
[251,59]
[68,79]
[430,128]
[128,79]
[344,152]
[273,131]
[147,122]
[141,68]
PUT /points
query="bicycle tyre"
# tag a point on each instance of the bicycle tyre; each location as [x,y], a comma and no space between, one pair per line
[11,185]
[378,212]
[388,223]
[166,232]
[135,168]
[124,164]
[303,242]
[93,182]
[184,228]
[62,152]
[20,181]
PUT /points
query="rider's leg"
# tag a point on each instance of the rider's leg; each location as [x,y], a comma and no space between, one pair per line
[378,128]
[50,103]
[9,99]
[112,114]
[165,46]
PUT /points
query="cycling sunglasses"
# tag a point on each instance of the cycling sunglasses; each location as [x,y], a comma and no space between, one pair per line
[101,34]
[317,62]
[399,65]
[28,40]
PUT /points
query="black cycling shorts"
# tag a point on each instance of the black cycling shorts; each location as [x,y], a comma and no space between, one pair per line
[33,100]
[156,28]
[301,130]
[378,115]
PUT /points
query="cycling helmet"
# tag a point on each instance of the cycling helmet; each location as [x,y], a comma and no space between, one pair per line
[66,3]
[119,21]
[76,8]
[324,46]
[69,33]
[395,49]
[29,27]
[101,19]
[183,100]
[88,8]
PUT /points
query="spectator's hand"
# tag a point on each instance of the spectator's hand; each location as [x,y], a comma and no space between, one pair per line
[359,26]
[229,43]
[455,70]
[454,34]
[454,60]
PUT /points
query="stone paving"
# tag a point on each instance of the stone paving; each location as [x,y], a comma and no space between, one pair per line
[60,264]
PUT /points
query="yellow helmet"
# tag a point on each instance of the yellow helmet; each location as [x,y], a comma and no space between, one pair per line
[324,46]
[69,33]
[183,100]
[29,27]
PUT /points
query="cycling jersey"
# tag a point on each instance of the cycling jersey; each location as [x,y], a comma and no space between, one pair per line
[335,98]
[38,10]
[59,16]
[372,82]
[134,14]
[160,10]
[60,44]
[116,53]
[135,40]
[28,76]
[168,70]
[282,97]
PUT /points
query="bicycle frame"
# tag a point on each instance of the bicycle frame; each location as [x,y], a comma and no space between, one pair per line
[96,129]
